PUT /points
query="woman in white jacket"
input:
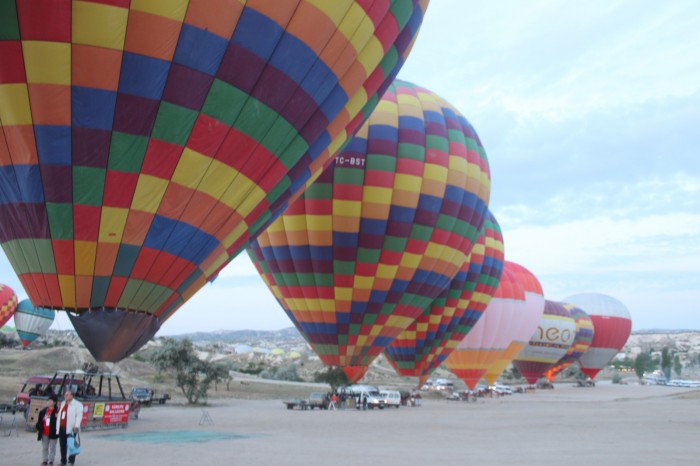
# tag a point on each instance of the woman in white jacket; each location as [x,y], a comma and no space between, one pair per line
[70,415]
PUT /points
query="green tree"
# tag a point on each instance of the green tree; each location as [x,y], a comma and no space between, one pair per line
[192,375]
[666,362]
[677,366]
[512,373]
[333,376]
[8,340]
[642,364]
[222,374]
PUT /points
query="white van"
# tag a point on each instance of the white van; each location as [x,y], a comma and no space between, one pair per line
[366,394]
[391,398]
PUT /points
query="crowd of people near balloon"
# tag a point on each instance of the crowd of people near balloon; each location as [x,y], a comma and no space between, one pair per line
[137,160]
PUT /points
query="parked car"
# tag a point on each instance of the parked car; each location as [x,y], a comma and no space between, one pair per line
[374,400]
[317,400]
[142,395]
[368,393]
[391,398]
[501,389]
[443,384]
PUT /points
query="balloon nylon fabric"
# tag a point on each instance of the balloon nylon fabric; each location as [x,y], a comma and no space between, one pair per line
[489,337]
[582,341]
[550,341]
[8,304]
[612,325]
[521,328]
[143,143]
[383,231]
[429,340]
[32,322]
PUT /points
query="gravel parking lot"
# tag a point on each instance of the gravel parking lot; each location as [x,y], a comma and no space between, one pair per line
[608,424]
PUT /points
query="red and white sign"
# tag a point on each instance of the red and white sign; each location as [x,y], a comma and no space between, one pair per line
[116,413]
[86,414]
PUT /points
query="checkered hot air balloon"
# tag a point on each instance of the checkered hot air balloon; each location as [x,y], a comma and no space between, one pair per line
[430,339]
[382,232]
[8,304]
[582,341]
[144,142]
[32,322]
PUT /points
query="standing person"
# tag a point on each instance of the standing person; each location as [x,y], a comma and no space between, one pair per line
[69,417]
[46,430]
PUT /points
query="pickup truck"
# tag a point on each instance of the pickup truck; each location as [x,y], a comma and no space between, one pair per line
[315,400]
[146,396]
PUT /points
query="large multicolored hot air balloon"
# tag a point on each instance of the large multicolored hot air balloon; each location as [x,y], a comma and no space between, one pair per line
[144,142]
[427,342]
[490,336]
[382,232]
[32,322]
[582,341]
[520,329]
[552,339]
[8,304]
[612,325]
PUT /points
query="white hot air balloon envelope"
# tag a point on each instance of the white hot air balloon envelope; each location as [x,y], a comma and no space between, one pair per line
[32,322]
[612,324]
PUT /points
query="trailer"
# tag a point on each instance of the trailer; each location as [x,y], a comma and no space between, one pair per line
[316,400]
[101,393]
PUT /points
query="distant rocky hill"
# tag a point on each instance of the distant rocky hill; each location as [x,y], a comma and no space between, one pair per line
[681,341]
[241,336]
[684,342]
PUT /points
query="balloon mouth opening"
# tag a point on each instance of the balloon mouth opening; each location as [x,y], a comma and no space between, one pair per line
[422,380]
[355,373]
[113,334]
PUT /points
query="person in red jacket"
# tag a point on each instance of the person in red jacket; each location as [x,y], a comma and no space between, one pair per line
[46,430]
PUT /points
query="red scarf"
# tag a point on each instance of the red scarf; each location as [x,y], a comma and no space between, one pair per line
[47,421]
[64,415]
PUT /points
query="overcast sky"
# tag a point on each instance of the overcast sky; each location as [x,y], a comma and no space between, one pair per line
[590,115]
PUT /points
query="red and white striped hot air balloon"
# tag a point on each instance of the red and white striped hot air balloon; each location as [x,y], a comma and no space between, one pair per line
[612,324]
[492,333]
[521,329]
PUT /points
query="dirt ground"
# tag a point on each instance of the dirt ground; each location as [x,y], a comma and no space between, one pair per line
[608,424]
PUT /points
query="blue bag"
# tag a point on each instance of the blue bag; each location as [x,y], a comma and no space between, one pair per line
[73,442]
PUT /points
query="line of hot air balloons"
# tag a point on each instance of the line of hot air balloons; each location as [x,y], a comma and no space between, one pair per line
[381,255]
[143,145]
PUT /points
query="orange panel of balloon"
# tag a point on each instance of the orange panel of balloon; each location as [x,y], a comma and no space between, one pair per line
[582,341]
[382,232]
[612,325]
[521,328]
[8,304]
[491,334]
[144,143]
[429,340]
[552,339]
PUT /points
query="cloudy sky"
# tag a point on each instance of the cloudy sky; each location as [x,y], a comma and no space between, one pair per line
[590,115]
